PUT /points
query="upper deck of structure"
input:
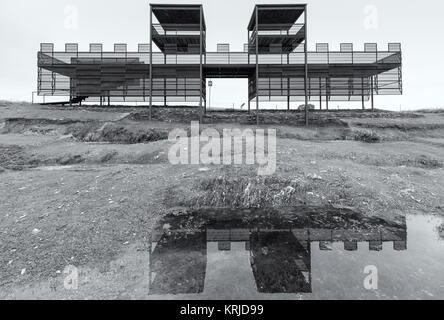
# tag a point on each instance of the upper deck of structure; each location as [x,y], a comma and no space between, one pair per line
[368,60]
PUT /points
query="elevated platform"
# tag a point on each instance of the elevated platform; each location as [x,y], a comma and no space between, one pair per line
[275,60]
[127,74]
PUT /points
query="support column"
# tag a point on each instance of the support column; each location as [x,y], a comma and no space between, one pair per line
[205,62]
[320,94]
[209,95]
[362,90]
[200,69]
[205,96]
[288,93]
[164,83]
[248,47]
[151,63]
[372,94]
[327,87]
[306,67]
[257,66]
[250,79]
[70,91]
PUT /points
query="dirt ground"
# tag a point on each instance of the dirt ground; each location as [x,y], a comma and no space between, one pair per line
[85,186]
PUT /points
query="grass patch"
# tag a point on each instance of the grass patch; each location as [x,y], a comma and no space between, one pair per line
[405,125]
[13,158]
[365,135]
[422,161]
[245,192]
[87,131]
[115,133]
[386,160]
[127,135]
[238,189]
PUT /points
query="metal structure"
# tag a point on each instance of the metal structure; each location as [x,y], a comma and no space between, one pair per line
[276,62]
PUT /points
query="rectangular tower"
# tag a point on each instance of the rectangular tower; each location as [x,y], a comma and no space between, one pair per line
[274,33]
[176,74]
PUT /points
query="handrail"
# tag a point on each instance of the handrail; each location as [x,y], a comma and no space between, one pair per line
[175,30]
[228,58]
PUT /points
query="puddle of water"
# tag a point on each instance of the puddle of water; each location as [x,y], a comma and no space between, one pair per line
[296,253]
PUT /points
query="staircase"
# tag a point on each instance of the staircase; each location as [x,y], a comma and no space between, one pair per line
[79,99]
[75,100]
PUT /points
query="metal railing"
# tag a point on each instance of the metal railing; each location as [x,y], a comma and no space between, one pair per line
[175,30]
[223,58]
[277,30]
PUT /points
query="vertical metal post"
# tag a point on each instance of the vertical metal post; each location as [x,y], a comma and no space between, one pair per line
[200,69]
[257,66]
[320,94]
[248,47]
[205,100]
[151,63]
[209,97]
[327,87]
[372,94]
[164,81]
[205,62]
[144,89]
[248,94]
[288,94]
[306,67]
[362,91]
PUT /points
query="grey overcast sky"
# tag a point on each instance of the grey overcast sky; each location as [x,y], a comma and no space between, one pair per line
[418,25]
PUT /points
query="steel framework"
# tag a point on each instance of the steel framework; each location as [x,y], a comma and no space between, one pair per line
[275,60]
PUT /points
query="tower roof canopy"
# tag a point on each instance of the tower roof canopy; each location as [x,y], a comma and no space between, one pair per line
[279,14]
[177,14]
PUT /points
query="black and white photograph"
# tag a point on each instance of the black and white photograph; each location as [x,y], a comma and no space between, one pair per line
[219,151]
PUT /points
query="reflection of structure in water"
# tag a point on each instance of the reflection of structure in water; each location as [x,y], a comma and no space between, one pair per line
[178,263]
[280,263]
[279,245]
